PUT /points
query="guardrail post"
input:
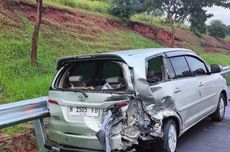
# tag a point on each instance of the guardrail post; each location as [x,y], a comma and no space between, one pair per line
[40,134]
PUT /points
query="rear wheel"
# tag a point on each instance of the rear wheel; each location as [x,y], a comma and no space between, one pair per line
[169,142]
[218,115]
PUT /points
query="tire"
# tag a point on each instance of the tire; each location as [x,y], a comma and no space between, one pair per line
[169,141]
[219,114]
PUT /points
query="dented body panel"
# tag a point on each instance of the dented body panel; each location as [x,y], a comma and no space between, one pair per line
[135,114]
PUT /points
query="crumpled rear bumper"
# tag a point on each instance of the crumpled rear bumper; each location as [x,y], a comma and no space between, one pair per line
[63,148]
[72,140]
[59,141]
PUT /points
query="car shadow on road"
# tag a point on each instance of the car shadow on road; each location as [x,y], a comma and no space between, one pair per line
[207,136]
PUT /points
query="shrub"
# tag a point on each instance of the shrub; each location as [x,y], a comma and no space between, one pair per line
[122,9]
[217,29]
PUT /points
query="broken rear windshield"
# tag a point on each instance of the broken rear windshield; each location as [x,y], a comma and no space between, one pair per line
[92,75]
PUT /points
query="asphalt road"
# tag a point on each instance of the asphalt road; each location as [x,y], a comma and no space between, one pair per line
[207,136]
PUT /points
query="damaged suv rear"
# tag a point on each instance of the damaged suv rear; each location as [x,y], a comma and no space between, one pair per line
[136,100]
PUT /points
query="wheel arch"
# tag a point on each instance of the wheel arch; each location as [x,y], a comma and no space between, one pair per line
[224,92]
[177,122]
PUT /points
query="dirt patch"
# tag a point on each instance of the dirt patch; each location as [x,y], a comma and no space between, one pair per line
[82,22]
[209,48]
[163,36]
[217,42]
[8,16]
[188,37]
[154,33]
[19,142]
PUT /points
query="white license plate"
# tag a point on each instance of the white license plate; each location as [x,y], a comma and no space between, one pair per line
[83,111]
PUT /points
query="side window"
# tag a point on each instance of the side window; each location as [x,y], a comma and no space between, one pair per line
[155,70]
[197,67]
[180,66]
[110,70]
[171,73]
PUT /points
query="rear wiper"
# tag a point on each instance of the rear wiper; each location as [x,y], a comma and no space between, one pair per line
[76,90]
[83,92]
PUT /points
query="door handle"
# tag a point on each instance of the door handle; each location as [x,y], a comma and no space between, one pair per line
[177,90]
[201,84]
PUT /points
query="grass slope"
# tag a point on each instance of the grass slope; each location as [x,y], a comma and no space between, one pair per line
[19,80]
[90,5]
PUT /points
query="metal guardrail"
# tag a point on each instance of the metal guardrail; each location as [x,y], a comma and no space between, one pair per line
[225,70]
[27,110]
[23,111]
[34,110]
[226,74]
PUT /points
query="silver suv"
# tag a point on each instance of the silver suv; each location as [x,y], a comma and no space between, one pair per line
[131,100]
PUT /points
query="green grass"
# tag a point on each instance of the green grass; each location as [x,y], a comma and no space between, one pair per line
[227,38]
[19,80]
[227,77]
[211,58]
[155,21]
[216,58]
[90,5]
[150,20]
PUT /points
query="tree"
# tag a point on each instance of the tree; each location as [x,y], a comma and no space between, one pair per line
[227,30]
[217,29]
[197,20]
[36,33]
[123,9]
[177,11]
[198,16]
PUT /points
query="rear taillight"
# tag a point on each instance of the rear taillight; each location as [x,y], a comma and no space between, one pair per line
[53,102]
[121,104]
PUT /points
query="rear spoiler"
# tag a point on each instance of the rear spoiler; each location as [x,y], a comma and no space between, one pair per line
[67,60]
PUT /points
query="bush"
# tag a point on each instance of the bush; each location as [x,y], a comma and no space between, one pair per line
[123,9]
[217,29]
[197,19]
[70,3]
[227,30]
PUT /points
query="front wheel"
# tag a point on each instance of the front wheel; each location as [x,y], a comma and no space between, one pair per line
[218,115]
[169,142]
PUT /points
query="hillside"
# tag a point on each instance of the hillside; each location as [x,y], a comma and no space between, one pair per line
[70,31]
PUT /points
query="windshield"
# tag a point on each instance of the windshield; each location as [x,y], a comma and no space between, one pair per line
[92,75]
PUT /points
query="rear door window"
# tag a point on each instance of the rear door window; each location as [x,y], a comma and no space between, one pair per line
[180,66]
[155,70]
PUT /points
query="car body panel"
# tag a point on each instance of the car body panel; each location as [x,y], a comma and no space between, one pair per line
[209,93]
[67,129]
[187,98]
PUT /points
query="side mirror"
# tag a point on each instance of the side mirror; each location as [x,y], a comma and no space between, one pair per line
[215,68]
